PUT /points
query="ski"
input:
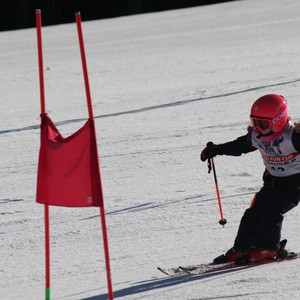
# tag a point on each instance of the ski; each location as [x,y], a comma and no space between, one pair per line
[197,269]
[200,269]
[172,271]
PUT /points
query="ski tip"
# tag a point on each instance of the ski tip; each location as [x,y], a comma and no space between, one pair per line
[163,270]
[172,271]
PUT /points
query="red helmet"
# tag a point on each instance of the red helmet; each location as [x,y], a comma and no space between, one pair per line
[269,114]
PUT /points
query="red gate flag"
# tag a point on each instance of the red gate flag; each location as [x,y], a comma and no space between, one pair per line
[68,168]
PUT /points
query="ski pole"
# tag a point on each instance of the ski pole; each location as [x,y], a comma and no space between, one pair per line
[211,165]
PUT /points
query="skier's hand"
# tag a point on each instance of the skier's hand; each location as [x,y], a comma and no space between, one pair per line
[210,151]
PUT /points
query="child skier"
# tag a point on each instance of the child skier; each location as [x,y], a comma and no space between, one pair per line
[278,140]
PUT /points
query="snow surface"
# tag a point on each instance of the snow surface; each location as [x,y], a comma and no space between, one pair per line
[163,85]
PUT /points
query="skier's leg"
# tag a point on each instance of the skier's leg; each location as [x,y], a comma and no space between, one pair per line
[261,224]
[246,233]
[249,224]
[277,201]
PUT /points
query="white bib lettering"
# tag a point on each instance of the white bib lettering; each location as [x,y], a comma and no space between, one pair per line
[280,157]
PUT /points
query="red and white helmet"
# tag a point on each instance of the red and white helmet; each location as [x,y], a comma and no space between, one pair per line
[269,114]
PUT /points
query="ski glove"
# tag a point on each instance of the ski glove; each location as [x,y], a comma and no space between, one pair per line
[210,151]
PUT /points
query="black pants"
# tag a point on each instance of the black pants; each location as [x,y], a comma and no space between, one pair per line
[261,224]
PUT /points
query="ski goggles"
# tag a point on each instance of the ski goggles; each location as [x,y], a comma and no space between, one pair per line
[263,125]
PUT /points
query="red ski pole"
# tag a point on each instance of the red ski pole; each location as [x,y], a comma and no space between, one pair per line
[211,165]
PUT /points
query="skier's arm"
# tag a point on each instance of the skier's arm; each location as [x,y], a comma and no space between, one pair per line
[237,147]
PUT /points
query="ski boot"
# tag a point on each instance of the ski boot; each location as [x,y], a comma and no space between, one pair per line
[257,254]
[230,256]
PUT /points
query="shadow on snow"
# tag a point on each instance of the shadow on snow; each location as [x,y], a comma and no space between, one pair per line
[161,283]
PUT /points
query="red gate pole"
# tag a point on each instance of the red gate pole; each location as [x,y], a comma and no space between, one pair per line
[84,65]
[90,109]
[38,17]
[47,247]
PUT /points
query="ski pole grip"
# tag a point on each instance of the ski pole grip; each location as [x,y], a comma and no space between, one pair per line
[209,145]
[209,165]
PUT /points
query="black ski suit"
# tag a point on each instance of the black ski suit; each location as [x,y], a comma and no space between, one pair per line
[261,224]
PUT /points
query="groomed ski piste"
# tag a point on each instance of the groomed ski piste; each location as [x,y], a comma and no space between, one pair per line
[163,85]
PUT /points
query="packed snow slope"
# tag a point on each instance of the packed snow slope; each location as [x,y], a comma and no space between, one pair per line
[163,85]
